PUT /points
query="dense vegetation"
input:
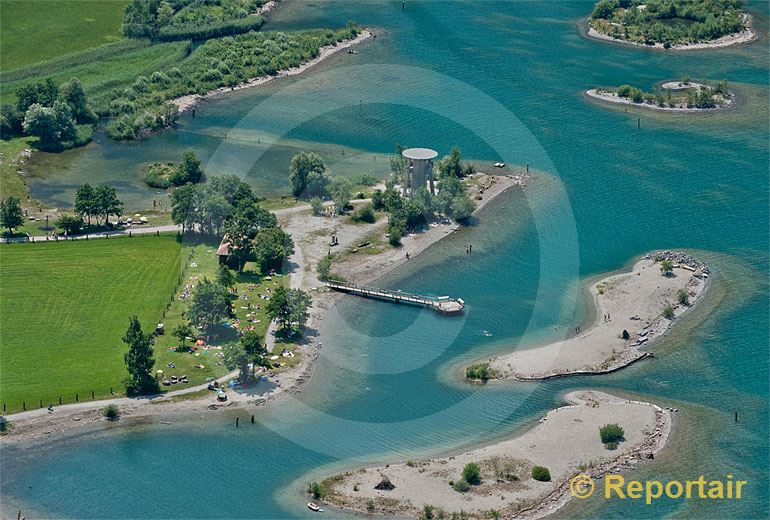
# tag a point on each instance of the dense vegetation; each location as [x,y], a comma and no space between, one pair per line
[59,116]
[692,96]
[222,62]
[611,435]
[190,19]
[667,22]
[163,176]
[481,372]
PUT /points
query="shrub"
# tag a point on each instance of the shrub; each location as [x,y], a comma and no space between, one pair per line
[395,236]
[317,205]
[324,268]
[314,488]
[480,372]
[70,224]
[541,474]
[461,486]
[159,175]
[668,312]
[472,473]
[370,506]
[682,297]
[111,412]
[611,435]
[365,214]
[427,512]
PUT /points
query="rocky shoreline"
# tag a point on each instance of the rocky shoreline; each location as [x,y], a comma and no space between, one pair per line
[612,97]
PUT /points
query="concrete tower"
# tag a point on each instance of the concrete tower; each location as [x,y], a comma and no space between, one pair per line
[419,170]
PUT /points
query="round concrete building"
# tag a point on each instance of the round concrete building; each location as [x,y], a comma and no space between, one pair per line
[419,170]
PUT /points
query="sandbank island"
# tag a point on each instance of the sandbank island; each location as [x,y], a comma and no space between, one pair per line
[674,24]
[632,310]
[525,476]
[678,96]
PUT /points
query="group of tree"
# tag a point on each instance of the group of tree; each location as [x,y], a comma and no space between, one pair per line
[289,307]
[166,175]
[97,202]
[11,214]
[421,208]
[227,205]
[650,21]
[58,115]
[246,355]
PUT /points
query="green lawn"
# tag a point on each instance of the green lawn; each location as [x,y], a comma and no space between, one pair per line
[65,306]
[11,183]
[38,30]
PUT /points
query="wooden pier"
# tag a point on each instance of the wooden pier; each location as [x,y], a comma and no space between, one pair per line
[442,304]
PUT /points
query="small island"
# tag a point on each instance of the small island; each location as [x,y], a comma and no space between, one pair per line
[632,310]
[671,24]
[524,476]
[681,96]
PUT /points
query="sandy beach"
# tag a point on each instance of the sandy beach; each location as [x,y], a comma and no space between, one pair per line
[189,101]
[566,441]
[745,36]
[612,97]
[631,302]
[311,236]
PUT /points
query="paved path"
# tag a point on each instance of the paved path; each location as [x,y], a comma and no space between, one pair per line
[138,230]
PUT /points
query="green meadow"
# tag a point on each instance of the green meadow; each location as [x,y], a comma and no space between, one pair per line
[64,308]
[38,30]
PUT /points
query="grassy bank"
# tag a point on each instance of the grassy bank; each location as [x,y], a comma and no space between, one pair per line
[39,30]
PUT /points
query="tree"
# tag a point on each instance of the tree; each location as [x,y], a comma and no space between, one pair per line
[472,474]
[210,304]
[308,175]
[183,206]
[74,95]
[341,191]
[70,224]
[85,202]
[324,268]
[182,332]
[289,307]
[214,210]
[451,165]
[11,214]
[139,359]
[666,267]
[271,246]
[106,202]
[397,163]
[668,312]
[235,357]
[255,351]
[189,170]
[224,277]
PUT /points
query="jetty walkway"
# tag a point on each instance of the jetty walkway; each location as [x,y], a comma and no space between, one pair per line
[442,304]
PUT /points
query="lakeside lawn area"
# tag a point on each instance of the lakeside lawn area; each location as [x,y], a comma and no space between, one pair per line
[38,30]
[64,308]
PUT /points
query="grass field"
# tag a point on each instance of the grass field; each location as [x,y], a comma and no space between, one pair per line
[101,69]
[65,306]
[38,30]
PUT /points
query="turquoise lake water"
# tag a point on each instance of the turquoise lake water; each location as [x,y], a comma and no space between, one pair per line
[504,80]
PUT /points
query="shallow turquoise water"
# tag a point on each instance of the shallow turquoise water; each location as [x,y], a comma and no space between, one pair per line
[384,388]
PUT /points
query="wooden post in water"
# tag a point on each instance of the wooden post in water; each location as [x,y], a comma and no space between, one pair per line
[736,416]
[639,122]
[236,421]
[252,419]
